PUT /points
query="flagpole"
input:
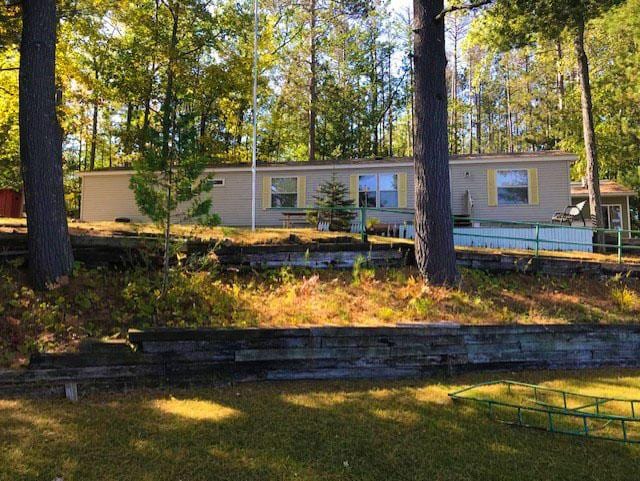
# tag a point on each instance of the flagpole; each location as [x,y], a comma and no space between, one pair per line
[254,146]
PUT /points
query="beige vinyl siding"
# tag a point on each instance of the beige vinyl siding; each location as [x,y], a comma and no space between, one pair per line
[553,194]
[313,179]
[233,201]
[106,195]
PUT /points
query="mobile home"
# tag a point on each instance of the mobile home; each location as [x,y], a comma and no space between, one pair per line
[507,187]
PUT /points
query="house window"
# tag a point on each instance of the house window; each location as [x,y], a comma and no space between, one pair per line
[612,216]
[284,192]
[378,190]
[367,190]
[513,186]
[388,190]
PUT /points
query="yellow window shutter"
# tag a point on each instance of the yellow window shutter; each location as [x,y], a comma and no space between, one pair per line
[266,192]
[302,191]
[492,190]
[534,195]
[353,189]
[402,190]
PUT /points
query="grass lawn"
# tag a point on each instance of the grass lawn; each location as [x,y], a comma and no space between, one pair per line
[305,431]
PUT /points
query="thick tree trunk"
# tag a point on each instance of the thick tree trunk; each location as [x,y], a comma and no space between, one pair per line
[435,254]
[313,94]
[50,255]
[588,130]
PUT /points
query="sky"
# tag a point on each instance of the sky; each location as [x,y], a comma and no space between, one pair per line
[400,5]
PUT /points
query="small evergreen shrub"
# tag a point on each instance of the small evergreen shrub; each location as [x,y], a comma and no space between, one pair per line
[333,206]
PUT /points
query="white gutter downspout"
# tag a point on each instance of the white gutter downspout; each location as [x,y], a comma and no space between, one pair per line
[254,147]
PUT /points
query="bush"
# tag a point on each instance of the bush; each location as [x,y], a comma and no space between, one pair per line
[191,299]
[626,299]
[361,272]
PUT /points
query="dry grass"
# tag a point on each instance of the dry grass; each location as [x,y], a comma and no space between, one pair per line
[366,431]
[244,236]
[628,258]
[399,296]
[237,235]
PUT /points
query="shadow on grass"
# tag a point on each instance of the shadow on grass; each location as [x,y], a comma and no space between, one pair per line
[308,431]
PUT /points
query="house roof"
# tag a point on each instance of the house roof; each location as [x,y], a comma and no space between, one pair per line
[380,161]
[608,188]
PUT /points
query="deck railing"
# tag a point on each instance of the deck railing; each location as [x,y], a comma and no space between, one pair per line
[537,236]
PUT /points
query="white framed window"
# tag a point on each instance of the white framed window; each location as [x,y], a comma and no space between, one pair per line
[367,190]
[512,186]
[612,216]
[388,187]
[378,190]
[284,191]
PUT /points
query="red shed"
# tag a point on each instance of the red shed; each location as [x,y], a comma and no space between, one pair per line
[10,203]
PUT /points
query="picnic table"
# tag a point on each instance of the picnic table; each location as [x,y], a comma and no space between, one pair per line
[291,219]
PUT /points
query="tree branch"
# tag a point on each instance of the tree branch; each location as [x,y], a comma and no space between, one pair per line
[466,6]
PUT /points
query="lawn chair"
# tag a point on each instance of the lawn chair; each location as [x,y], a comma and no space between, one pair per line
[570,214]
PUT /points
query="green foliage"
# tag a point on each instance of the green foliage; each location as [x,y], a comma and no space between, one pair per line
[362,273]
[9,133]
[422,305]
[101,302]
[113,57]
[192,299]
[625,299]
[333,204]
[162,187]
[372,222]
[520,58]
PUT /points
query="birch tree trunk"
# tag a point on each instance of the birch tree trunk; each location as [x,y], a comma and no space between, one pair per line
[50,254]
[435,253]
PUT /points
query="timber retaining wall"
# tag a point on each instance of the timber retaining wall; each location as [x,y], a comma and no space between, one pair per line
[341,254]
[209,356]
